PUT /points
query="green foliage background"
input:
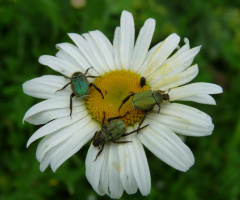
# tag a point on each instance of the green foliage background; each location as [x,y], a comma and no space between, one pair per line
[30,28]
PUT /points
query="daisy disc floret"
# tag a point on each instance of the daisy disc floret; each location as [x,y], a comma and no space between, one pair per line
[118,68]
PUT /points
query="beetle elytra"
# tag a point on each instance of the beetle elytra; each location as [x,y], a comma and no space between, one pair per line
[80,86]
[111,132]
[146,100]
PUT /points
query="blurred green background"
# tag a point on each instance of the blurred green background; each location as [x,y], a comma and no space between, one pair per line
[32,28]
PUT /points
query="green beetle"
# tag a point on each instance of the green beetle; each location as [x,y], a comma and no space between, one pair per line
[80,86]
[146,100]
[111,132]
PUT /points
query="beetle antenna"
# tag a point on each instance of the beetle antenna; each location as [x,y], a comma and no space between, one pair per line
[87,70]
[169,90]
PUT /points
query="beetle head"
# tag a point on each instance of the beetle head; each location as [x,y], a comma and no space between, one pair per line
[159,94]
[99,138]
[77,75]
[166,97]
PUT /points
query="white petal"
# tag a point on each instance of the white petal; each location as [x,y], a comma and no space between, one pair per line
[85,50]
[61,152]
[36,114]
[187,113]
[116,48]
[200,98]
[110,182]
[104,174]
[161,54]
[163,143]
[127,34]
[56,125]
[148,58]
[60,136]
[46,160]
[45,87]
[52,114]
[62,66]
[52,80]
[64,56]
[181,125]
[105,47]
[176,79]
[142,44]
[193,89]
[102,66]
[75,53]
[184,48]
[126,172]
[73,144]
[114,184]
[176,65]
[139,164]
[93,169]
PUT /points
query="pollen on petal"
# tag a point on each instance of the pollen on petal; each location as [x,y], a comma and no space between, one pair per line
[116,86]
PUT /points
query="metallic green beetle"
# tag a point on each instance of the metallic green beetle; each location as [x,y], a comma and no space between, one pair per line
[111,132]
[80,86]
[146,100]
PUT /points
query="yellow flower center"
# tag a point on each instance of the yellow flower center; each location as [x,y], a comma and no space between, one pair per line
[115,86]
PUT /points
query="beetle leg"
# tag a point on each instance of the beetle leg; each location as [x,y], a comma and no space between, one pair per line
[159,107]
[64,86]
[125,100]
[100,151]
[118,117]
[143,119]
[91,84]
[71,96]
[121,141]
[103,118]
[93,76]
[126,134]
[87,70]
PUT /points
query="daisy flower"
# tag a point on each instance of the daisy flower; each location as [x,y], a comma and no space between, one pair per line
[119,67]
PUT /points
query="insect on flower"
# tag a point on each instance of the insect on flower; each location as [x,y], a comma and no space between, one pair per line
[146,100]
[111,132]
[80,86]
[142,81]
[125,65]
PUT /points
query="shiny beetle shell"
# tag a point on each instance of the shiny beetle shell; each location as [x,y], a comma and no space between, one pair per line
[79,84]
[114,129]
[146,100]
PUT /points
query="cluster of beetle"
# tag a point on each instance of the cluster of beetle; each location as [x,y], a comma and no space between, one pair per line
[115,128]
